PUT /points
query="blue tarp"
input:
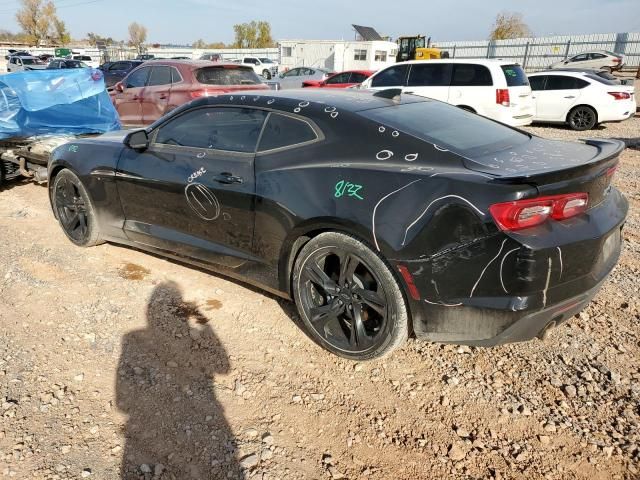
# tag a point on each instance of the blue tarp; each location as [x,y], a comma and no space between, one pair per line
[42,102]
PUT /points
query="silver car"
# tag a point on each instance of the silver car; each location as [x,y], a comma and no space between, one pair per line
[20,64]
[293,78]
[598,60]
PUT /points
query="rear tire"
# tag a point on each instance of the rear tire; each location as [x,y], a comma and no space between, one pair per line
[348,298]
[582,118]
[74,210]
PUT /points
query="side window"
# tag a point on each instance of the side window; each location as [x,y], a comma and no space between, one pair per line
[282,131]
[429,75]
[175,75]
[340,78]
[294,72]
[357,77]
[231,129]
[558,82]
[391,77]
[471,75]
[159,76]
[537,83]
[138,78]
[580,58]
[119,66]
[596,56]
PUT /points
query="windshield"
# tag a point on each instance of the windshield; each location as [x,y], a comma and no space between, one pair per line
[31,61]
[448,127]
[227,76]
[266,60]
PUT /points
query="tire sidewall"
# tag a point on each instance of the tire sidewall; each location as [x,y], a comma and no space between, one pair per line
[93,235]
[397,325]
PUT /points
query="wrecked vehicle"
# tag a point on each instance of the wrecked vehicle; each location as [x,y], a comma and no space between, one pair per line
[380,214]
[41,110]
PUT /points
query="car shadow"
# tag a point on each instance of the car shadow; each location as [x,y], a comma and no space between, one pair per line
[176,429]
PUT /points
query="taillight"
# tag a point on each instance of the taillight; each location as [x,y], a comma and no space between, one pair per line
[521,214]
[198,93]
[617,60]
[620,95]
[502,97]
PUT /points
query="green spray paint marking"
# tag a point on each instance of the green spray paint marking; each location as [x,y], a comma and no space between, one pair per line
[351,189]
[73,148]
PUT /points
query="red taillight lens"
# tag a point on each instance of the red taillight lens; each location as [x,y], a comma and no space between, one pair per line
[620,95]
[502,97]
[529,213]
[198,93]
[617,60]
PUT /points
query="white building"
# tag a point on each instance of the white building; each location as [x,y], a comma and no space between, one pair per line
[337,55]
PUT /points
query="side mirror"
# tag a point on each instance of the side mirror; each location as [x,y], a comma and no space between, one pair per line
[119,87]
[138,140]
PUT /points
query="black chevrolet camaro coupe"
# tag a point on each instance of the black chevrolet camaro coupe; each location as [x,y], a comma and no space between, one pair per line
[380,214]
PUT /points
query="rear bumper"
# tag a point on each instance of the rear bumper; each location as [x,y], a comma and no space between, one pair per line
[567,280]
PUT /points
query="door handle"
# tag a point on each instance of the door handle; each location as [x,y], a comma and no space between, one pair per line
[409,91]
[163,97]
[570,96]
[228,179]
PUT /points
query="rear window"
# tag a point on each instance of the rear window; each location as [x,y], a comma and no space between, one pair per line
[515,76]
[448,127]
[227,76]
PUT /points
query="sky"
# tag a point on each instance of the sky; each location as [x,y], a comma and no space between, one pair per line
[184,21]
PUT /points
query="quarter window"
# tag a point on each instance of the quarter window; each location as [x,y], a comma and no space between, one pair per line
[471,75]
[357,77]
[391,77]
[381,56]
[175,75]
[282,131]
[429,75]
[230,129]
[359,54]
[138,78]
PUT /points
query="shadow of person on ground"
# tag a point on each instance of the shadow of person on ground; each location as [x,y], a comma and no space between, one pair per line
[176,429]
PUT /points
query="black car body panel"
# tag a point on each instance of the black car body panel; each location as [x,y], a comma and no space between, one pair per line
[424,208]
[117,70]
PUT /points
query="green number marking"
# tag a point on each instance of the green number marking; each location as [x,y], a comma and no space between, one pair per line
[351,189]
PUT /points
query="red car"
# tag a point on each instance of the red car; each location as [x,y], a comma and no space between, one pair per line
[340,80]
[159,86]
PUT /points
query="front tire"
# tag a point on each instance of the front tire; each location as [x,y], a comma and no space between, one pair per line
[266,74]
[582,118]
[348,298]
[74,210]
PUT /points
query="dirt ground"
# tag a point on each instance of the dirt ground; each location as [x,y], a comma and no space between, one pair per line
[118,364]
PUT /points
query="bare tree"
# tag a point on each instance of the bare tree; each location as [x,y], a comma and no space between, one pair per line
[137,35]
[61,34]
[509,25]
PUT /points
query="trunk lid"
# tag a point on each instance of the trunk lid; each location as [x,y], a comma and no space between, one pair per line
[555,167]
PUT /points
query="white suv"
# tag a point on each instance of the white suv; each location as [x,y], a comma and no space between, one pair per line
[262,66]
[494,88]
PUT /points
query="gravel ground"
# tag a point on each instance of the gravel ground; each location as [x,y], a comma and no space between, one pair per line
[118,364]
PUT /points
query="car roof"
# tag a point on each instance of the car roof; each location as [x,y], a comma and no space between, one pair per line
[336,100]
[481,61]
[558,71]
[192,63]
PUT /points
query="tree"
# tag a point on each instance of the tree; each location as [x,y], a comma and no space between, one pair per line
[94,39]
[62,36]
[37,18]
[137,35]
[255,34]
[509,25]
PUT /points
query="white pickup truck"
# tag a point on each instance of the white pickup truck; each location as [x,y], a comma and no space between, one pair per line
[262,66]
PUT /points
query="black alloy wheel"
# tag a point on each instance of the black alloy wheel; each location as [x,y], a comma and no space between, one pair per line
[74,210]
[348,298]
[582,118]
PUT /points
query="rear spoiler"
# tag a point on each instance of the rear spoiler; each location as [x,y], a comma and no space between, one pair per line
[608,149]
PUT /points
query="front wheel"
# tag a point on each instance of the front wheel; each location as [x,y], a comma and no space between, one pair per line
[348,298]
[74,210]
[582,118]
[266,74]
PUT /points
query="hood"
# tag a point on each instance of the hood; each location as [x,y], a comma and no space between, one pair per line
[116,136]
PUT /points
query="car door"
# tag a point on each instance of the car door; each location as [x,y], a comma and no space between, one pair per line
[341,80]
[560,94]
[192,192]
[430,80]
[391,77]
[291,79]
[116,72]
[578,61]
[155,96]
[597,60]
[128,103]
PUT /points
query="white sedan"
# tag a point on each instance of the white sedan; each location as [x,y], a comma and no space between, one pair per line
[581,100]
[599,59]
